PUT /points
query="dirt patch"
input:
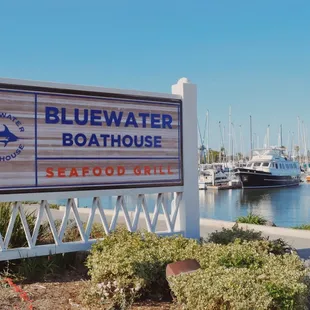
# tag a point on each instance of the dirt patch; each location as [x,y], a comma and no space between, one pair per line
[59,295]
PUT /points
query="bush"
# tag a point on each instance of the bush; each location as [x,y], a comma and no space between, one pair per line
[18,237]
[235,275]
[252,219]
[304,227]
[280,283]
[125,266]
[226,236]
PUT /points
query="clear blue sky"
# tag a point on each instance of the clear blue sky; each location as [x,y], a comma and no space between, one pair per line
[252,55]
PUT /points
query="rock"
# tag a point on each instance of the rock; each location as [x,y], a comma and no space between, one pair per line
[185,266]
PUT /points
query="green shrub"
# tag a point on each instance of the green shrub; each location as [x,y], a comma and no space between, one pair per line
[243,276]
[252,219]
[304,227]
[18,237]
[126,266]
[226,235]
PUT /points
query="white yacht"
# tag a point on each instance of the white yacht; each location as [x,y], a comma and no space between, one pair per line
[269,168]
[209,176]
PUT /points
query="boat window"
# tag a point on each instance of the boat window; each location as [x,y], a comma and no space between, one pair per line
[287,166]
[276,166]
[249,165]
[257,164]
[265,164]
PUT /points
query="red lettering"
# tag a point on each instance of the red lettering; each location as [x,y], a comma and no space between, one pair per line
[169,170]
[49,172]
[109,171]
[85,171]
[161,170]
[97,171]
[61,172]
[120,170]
[73,173]
[137,170]
[147,170]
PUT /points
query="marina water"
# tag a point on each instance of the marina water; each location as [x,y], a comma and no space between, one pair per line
[286,207]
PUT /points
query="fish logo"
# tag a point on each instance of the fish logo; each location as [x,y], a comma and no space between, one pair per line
[6,136]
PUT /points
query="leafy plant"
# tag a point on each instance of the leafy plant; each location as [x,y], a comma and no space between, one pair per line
[235,272]
[18,238]
[226,236]
[304,227]
[252,219]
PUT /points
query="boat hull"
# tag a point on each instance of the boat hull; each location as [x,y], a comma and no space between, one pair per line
[260,179]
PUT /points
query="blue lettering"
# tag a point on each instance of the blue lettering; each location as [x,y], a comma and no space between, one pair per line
[95,118]
[93,140]
[113,118]
[77,117]
[67,139]
[167,121]
[138,144]
[127,144]
[51,115]
[77,137]
[104,139]
[131,120]
[155,120]
[116,140]
[63,118]
[157,141]
[148,141]
[144,116]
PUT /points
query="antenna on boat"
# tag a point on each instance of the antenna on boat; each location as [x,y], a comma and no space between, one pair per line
[268,137]
[281,143]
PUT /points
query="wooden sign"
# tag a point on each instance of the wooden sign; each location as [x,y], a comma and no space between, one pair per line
[57,140]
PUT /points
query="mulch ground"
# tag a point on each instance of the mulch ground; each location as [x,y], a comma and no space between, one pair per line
[58,294]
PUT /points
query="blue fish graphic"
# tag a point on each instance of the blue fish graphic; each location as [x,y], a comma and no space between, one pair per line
[7,136]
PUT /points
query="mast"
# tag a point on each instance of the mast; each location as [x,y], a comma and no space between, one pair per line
[298,138]
[281,143]
[251,138]
[207,125]
[268,137]
[222,140]
[229,134]
[241,146]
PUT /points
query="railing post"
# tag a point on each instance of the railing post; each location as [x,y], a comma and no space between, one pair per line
[188,218]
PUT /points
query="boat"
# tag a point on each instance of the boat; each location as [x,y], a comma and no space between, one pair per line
[212,177]
[269,168]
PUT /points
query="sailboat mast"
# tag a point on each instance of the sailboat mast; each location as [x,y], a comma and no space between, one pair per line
[207,121]
[298,138]
[251,138]
[229,134]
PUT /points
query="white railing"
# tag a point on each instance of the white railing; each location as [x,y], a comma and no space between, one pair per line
[108,218]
